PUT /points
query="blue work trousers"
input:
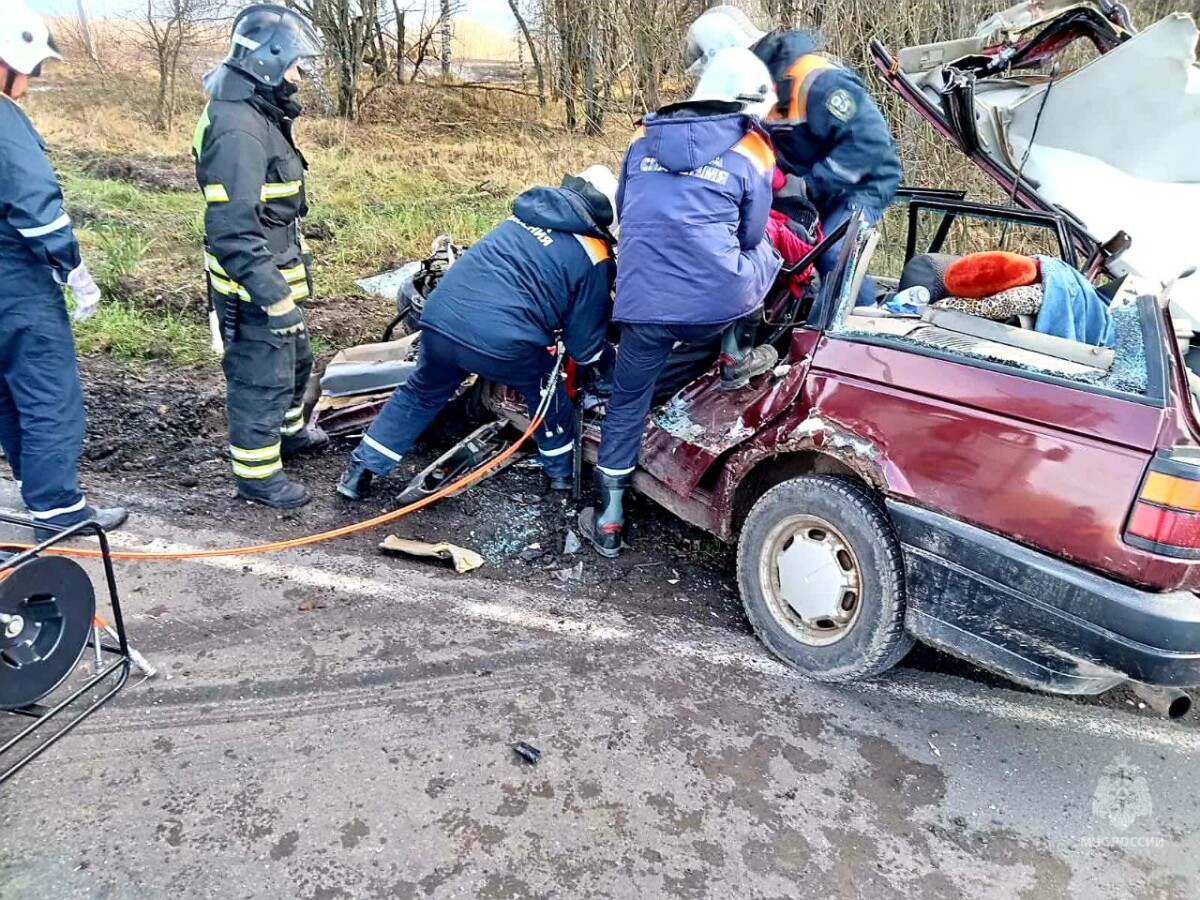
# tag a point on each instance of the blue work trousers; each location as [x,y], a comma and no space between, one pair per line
[41,409]
[442,365]
[641,356]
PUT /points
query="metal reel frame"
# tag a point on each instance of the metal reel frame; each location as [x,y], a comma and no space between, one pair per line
[40,735]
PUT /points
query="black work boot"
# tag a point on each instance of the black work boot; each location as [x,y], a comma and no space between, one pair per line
[604,523]
[355,482]
[109,518]
[736,374]
[304,443]
[559,478]
[559,483]
[276,491]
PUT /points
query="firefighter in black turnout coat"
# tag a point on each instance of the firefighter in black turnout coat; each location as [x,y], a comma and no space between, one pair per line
[252,177]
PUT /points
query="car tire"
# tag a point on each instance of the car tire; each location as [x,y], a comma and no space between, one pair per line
[821,575]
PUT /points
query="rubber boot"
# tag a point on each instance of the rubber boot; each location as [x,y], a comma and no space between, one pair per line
[109,518]
[740,359]
[559,483]
[277,492]
[304,443]
[355,482]
[604,523]
[560,478]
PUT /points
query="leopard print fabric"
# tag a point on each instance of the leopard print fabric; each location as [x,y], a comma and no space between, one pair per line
[1018,301]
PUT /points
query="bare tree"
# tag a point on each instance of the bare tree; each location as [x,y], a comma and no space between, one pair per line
[347,27]
[447,22]
[170,30]
[531,44]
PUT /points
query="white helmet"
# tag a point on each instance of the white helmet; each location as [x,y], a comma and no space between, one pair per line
[25,41]
[603,180]
[717,29]
[738,76]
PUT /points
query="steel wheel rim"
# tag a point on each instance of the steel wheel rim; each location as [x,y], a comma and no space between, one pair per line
[811,579]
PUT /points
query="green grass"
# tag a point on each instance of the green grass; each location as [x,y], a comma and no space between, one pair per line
[134,335]
[383,191]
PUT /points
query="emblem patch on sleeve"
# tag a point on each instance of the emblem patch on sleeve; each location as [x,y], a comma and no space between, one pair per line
[841,105]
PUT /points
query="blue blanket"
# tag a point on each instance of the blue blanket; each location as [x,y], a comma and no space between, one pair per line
[1071,306]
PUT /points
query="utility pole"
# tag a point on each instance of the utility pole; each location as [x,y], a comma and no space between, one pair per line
[445,38]
[85,30]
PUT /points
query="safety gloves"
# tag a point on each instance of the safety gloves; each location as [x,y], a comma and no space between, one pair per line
[285,318]
[87,293]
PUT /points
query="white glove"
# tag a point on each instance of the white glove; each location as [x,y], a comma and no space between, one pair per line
[87,293]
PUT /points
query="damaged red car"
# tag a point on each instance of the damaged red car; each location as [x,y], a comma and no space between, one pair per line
[1023,501]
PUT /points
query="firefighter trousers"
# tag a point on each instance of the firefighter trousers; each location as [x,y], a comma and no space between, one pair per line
[265,378]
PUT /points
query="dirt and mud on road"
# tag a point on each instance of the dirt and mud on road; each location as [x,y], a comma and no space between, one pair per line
[161,433]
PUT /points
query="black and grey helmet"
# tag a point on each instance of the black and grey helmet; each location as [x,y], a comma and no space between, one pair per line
[268,39]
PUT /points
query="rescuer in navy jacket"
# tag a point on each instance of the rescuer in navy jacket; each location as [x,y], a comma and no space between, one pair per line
[829,135]
[41,400]
[545,272]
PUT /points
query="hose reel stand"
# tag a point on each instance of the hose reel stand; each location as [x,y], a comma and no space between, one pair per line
[48,616]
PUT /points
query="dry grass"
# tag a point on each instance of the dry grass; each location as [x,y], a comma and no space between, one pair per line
[382,191]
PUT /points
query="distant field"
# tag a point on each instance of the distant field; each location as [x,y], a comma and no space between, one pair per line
[471,40]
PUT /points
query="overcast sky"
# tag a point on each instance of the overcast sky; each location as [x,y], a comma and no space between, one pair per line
[491,12]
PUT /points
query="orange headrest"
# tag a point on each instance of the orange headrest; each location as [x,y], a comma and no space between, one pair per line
[979,275]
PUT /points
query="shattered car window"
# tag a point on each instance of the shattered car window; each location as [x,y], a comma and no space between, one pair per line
[1128,372]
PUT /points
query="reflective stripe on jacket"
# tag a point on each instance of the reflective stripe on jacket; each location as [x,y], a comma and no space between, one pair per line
[37,244]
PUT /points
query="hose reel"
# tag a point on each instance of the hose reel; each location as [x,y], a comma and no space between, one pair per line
[47,607]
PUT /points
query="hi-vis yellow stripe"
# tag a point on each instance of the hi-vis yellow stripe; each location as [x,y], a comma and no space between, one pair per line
[228,288]
[257,473]
[279,190]
[296,277]
[801,74]
[263,454]
[216,193]
[757,149]
[256,464]
[597,248]
[294,274]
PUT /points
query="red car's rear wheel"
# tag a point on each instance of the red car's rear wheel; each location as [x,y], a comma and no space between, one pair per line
[822,578]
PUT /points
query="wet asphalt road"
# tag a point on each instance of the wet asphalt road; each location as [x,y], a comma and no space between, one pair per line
[362,749]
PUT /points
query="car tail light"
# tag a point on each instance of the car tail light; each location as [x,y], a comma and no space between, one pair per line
[1166,516]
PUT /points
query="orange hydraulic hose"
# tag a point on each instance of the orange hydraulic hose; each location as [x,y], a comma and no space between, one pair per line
[276,546]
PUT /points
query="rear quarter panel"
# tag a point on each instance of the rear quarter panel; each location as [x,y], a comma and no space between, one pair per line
[1047,465]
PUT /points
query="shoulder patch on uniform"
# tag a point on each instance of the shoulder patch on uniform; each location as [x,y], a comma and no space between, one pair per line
[757,149]
[597,248]
[841,105]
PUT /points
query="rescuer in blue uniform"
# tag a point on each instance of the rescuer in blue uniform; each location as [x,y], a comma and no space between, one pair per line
[257,264]
[41,400]
[694,200]
[544,273]
[828,133]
